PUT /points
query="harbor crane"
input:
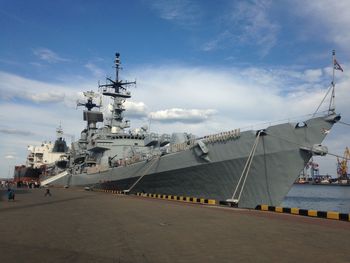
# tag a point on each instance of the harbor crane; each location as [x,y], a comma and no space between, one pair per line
[342,165]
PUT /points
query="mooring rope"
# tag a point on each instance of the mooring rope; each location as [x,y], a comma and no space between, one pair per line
[246,170]
[138,180]
[348,124]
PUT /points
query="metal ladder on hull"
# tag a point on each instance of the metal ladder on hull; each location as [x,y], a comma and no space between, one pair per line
[53,178]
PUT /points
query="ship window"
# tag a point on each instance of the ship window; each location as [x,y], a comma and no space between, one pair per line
[136,143]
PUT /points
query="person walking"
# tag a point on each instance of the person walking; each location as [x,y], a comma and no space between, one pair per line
[47,192]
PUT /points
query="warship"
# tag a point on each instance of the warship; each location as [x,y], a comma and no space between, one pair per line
[244,168]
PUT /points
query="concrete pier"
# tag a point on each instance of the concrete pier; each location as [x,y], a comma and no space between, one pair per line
[74,225]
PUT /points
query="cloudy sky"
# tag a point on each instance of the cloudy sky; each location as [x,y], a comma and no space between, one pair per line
[201,66]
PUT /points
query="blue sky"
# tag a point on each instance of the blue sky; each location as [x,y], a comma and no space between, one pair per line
[201,66]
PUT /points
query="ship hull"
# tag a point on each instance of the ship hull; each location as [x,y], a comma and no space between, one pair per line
[27,174]
[280,156]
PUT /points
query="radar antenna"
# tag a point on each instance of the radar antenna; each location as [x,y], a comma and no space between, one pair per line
[89,104]
[118,86]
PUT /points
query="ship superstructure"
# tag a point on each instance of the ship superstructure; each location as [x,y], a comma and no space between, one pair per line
[100,149]
[47,153]
[45,159]
[241,167]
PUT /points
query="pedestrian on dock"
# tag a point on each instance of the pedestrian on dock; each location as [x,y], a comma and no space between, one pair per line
[47,192]
[10,194]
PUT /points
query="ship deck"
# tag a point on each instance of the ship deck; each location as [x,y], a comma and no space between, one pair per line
[74,225]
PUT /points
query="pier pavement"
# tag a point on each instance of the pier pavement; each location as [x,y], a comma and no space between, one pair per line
[74,225]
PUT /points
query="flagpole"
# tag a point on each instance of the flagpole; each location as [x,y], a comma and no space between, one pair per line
[332,101]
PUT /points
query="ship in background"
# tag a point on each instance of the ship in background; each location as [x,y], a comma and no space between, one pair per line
[243,168]
[42,161]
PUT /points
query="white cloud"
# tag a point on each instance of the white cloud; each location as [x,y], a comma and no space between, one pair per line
[183,12]
[14,87]
[328,19]
[95,70]
[246,23]
[231,91]
[136,109]
[48,55]
[313,75]
[10,156]
[254,24]
[237,23]
[218,42]
[182,115]
[45,97]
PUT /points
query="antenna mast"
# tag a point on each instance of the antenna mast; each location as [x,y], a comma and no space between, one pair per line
[117,90]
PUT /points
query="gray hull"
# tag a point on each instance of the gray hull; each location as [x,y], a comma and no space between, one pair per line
[277,162]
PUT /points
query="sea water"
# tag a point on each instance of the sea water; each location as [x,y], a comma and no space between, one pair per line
[319,197]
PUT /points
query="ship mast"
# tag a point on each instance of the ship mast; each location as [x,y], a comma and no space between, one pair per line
[117,90]
[59,132]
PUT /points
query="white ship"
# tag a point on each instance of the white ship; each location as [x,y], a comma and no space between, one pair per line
[44,160]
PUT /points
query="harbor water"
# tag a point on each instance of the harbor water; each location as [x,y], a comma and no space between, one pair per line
[319,197]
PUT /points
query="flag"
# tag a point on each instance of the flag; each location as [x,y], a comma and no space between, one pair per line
[337,65]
